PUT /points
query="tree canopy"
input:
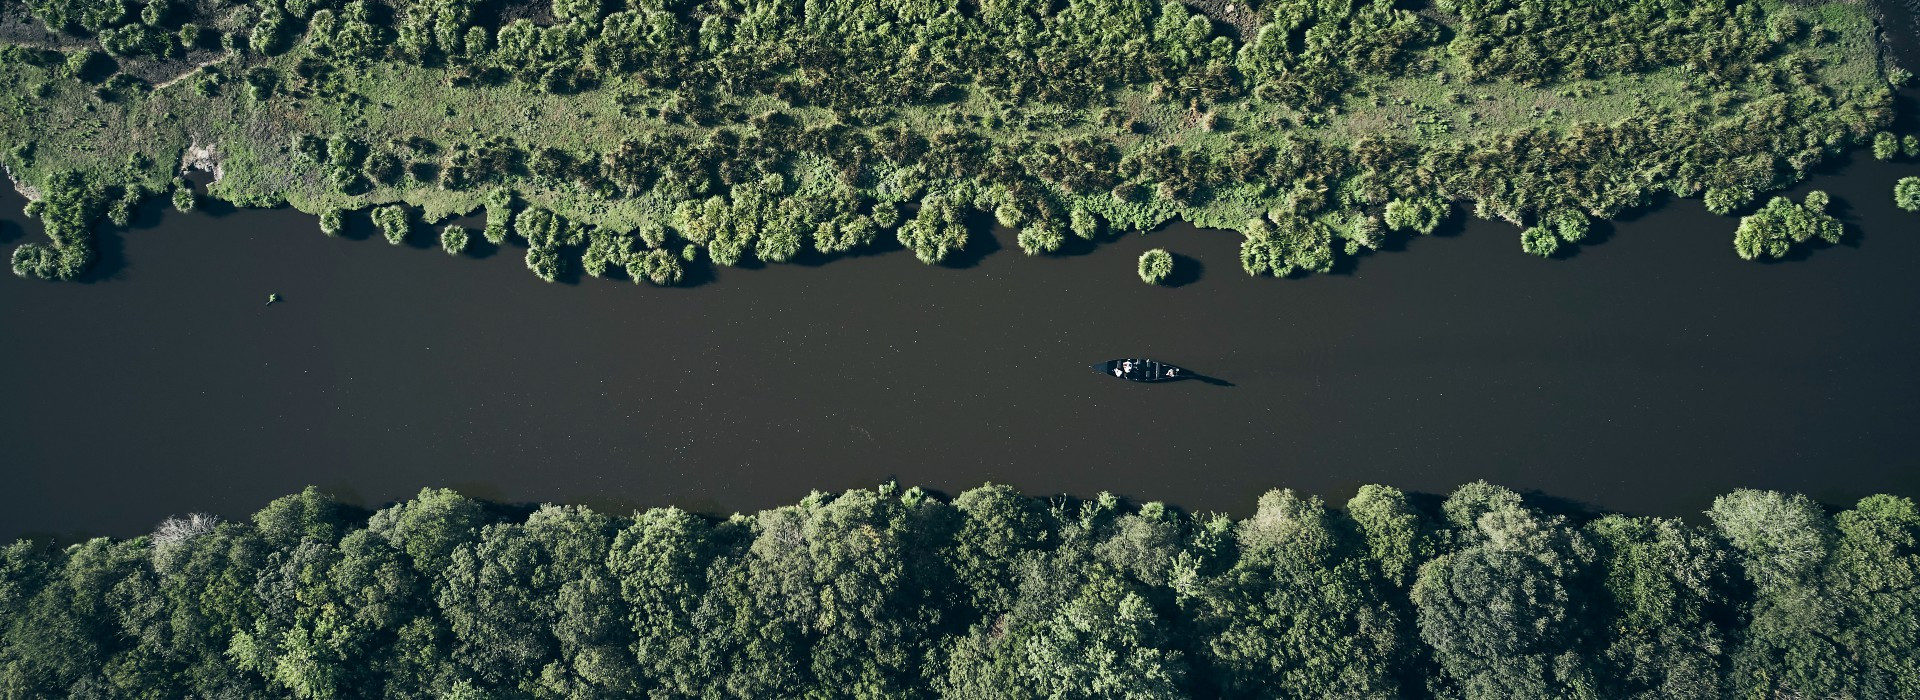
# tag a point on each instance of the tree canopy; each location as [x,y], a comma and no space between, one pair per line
[891,593]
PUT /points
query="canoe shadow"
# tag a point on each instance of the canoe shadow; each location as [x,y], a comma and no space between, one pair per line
[1210,381]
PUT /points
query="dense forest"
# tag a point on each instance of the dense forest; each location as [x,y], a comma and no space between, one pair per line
[890,593]
[632,138]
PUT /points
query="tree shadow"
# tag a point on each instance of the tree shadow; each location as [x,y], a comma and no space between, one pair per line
[1831,164]
[571,269]
[883,243]
[1450,226]
[697,273]
[109,241]
[1186,270]
[10,232]
[1428,504]
[479,248]
[1574,510]
[356,225]
[1075,246]
[419,238]
[1599,231]
[1852,233]
[1651,203]
[983,240]
[109,256]
[218,208]
[1906,112]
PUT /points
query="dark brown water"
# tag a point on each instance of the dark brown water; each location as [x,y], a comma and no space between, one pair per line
[1645,373]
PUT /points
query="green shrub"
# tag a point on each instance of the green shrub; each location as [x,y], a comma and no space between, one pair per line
[184,199]
[495,231]
[1885,146]
[1419,216]
[455,238]
[393,223]
[1539,240]
[544,262]
[1774,229]
[1906,193]
[333,222]
[658,266]
[1155,266]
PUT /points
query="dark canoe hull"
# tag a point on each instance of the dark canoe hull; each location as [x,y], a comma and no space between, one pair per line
[1143,371]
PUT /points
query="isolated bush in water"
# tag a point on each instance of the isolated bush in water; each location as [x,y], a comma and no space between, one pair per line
[1155,265]
[455,238]
[1906,193]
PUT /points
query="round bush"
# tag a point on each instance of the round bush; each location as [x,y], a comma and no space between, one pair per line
[1539,241]
[454,239]
[1906,193]
[1155,265]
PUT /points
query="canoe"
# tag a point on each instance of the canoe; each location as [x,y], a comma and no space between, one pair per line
[1141,370]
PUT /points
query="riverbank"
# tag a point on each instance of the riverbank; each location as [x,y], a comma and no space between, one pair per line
[604,148]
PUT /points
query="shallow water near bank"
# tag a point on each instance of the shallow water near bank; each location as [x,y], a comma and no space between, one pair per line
[1646,372]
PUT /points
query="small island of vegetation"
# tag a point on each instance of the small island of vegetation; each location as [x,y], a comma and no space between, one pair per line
[629,137]
[1155,265]
[890,593]
[1906,193]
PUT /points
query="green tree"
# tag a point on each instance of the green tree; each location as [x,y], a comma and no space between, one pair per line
[1396,535]
[544,263]
[1886,146]
[535,610]
[393,223]
[1155,265]
[1302,613]
[184,199]
[1906,193]
[1539,240]
[429,528]
[1666,597]
[1831,595]
[1419,216]
[660,563]
[1774,229]
[936,232]
[1502,612]
[455,238]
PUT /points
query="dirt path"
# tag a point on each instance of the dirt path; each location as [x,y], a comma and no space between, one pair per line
[190,71]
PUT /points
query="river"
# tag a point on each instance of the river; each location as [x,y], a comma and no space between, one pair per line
[1645,372]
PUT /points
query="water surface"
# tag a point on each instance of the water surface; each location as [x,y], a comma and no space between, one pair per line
[1645,373]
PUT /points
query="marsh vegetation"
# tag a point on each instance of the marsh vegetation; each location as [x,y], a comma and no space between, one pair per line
[755,132]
